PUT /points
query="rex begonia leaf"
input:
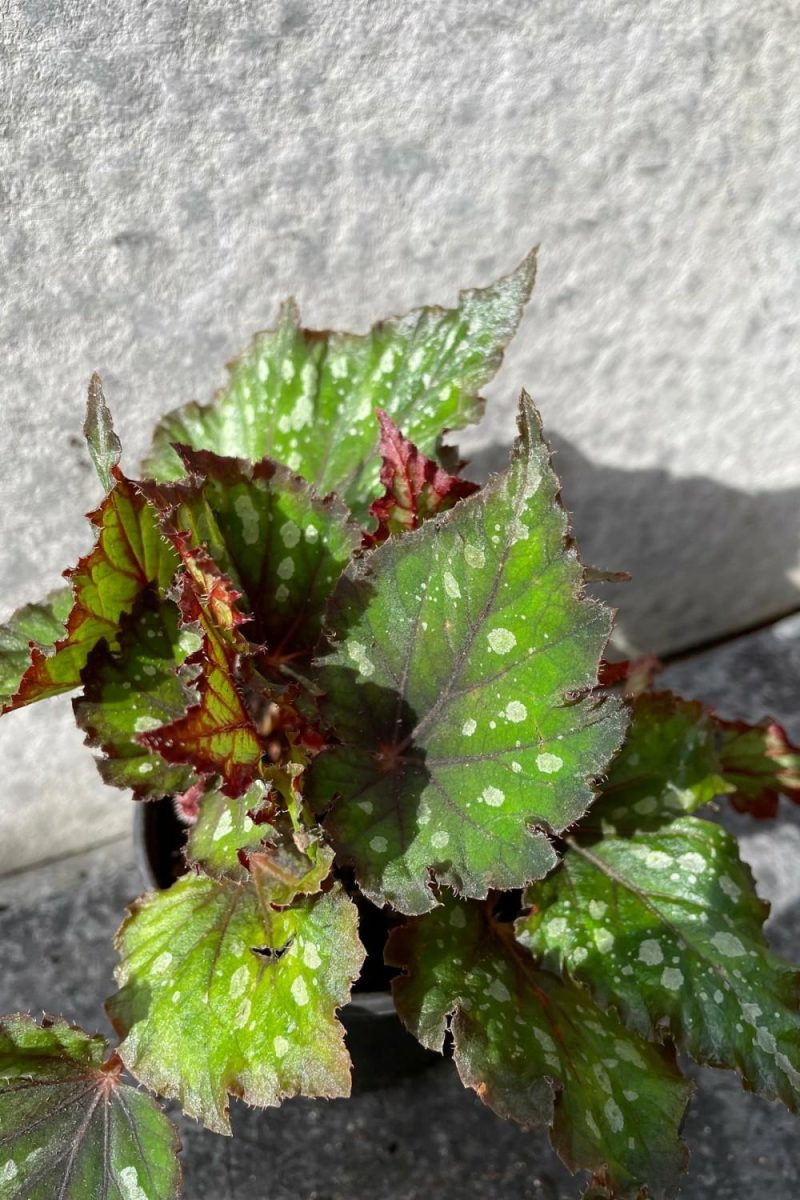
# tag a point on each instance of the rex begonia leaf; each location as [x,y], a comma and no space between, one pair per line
[69,1129]
[416,487]
[137,688]
[271,533]
[457,660]
[761,764]
[666,926]
[98,429]
[43,624]
[216,735]
[537,1050]
[221,994]
[225,826]
[308,399]
[668,765]
[130,555]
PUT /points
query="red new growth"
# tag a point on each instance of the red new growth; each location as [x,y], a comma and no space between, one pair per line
[416,486]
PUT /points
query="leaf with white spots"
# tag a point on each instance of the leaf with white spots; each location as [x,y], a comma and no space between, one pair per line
[308,399]
[456,680]
[137,688]
[221,993]
[270,533]
[225,826]
[40,624]
[668,766]
[537,1050]
[69,1128]
[130,555]
[666,926]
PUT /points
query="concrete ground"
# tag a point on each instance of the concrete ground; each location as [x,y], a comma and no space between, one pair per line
[426,1135]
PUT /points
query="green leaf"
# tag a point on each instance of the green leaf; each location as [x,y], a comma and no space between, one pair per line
[135,689]
[69,1128]
[221,994]
[225,825]
[217,735]
[308,399]
[270,532]
[98,429]
[43,624]
[130,555]
[668,766]
[455,680]
[666,926]
[537,1050]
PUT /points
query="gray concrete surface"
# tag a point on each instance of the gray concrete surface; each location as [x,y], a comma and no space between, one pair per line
[168,172]
[427,1136]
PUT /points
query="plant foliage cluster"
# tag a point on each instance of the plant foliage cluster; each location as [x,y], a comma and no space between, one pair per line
[345,661]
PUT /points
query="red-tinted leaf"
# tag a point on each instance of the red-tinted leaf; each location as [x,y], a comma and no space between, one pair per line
[217,735]
[633,675]
[130,554]
[416,486]
[763,765]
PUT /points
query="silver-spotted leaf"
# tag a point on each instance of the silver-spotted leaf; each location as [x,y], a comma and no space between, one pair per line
[537,1049]
[666,926]
[41,624]
[268,531]
[226,825]
[69,1129]
[668,766]
[219,993]
[135,689]
[308,399]
[455,680]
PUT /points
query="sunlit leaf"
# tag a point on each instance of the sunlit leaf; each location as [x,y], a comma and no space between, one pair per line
[537,1050]
[98,429]
[225,826]
[455,677]
[43,624]
[270,532]
[415,487]
[130,554]
[137,688]
[69,1129]
[216,735]
[308,399]
[221,994]
[666,926]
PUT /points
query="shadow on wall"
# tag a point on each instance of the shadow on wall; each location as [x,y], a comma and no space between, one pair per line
[706,559]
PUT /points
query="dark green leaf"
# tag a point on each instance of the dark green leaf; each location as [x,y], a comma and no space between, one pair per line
[270,532]
[69,1129]
[666,926]
[308,399]
[537,1050]
[135,689]
[455,678]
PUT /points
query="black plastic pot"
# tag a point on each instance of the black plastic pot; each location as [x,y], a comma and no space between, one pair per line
[382,1050]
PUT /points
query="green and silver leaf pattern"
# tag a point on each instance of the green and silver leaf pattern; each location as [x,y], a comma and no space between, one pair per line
[667,927]
[456,680]
[308,399]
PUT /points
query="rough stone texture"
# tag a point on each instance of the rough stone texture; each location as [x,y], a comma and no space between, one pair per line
[427,1136]
[168,172]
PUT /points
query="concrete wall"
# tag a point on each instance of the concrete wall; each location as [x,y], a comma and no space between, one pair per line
[169,171]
